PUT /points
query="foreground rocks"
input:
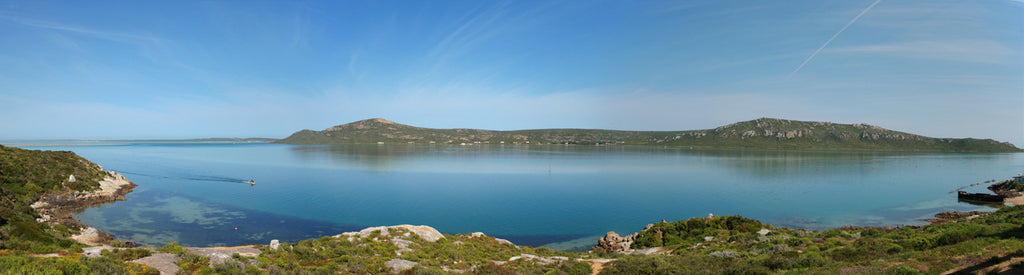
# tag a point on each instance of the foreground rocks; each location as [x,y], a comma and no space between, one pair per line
[60,208]
[164,262]
[613,243]
[425,232]
[954,216]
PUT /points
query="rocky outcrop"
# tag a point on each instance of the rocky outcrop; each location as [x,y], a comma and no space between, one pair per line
[427,233]
[399,265]
[953,216]
[613,243]
[481,235]
[60,208]
[164,262]
[1006,189]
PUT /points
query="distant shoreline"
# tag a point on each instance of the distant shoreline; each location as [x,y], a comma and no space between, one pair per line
[108,142]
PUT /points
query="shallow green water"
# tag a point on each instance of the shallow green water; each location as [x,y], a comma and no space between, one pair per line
[196,193]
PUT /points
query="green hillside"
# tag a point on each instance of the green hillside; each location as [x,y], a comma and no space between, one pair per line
[767,133]
[25,175]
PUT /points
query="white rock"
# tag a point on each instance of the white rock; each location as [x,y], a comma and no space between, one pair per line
[399,265]
[425,232]
[504,241]
[274,244]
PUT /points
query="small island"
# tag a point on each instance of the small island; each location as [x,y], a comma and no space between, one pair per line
[763,133]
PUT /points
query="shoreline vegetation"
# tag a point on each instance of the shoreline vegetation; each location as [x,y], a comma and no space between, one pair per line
[762,133]
[39,236]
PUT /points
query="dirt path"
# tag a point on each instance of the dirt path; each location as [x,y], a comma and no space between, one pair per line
[596,265]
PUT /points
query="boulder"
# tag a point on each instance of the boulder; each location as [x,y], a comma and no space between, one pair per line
[274,244]
[612,242]
[399,265]
[425,232]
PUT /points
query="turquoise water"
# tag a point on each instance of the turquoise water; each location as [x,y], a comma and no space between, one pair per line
[560,196]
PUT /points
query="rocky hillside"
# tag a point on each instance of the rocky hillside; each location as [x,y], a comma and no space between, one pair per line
[767,133]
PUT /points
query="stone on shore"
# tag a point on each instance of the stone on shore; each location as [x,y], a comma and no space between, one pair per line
[274,244]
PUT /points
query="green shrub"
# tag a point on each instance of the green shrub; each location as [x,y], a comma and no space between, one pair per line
[811,260]
[104,265]
[917,243]
[192,262]
[171,247]
[952,237]
[127,254]
[893,248]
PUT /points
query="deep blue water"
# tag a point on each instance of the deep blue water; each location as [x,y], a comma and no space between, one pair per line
[195,193]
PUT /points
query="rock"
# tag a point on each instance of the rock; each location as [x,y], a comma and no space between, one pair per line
[399,265]
[164,262]
[481,235]
[425,232]
[708,238]
[763,232]
[612,242]
[219,255]
[89,236]
[503,241]
[274,244]
[403,245]
[953,215]
[95,251]
[724,254]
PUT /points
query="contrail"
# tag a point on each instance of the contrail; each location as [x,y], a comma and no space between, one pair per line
[834,37]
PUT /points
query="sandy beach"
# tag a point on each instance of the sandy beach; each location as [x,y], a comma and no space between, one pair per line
[1018,200]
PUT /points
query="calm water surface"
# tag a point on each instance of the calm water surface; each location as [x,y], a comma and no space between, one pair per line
[559,196]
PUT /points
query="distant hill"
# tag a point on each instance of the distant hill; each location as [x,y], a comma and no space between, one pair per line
[766,133]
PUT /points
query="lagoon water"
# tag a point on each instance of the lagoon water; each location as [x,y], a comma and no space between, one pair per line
[559,196]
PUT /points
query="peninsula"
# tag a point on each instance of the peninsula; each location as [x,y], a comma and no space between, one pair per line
[763,133]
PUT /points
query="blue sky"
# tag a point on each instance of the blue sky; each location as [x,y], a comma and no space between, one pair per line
[183,69]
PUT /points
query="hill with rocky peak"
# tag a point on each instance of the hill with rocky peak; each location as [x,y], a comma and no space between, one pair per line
[765,133]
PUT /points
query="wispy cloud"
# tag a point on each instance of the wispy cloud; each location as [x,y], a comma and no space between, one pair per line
[815,53]
[976,51]
[101,34]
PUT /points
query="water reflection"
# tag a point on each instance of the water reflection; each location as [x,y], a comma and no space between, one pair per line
[763,164]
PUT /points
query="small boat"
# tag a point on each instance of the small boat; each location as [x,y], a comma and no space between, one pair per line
[252,182]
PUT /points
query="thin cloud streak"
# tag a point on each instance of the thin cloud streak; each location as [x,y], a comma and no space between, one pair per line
[114,36]
[974,51]
[833,37]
